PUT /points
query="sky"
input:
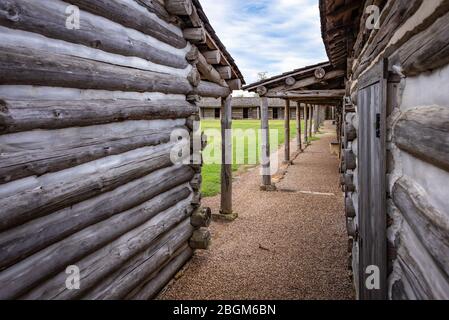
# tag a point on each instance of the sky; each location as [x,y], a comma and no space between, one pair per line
[272,36]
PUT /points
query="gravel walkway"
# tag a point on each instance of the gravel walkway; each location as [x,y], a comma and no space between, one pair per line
[289,244]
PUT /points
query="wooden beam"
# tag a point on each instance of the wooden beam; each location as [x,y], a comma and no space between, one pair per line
[265,146]
[309,94]
[235,84]
[287,131]
[209,72]
[226,156]
[298,127]
[213,90]
[306,124]
[195,35]
[225,72]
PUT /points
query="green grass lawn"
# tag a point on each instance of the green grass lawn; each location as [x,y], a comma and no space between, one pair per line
[211,172]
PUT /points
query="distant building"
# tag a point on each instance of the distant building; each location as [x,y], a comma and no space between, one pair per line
[245,108]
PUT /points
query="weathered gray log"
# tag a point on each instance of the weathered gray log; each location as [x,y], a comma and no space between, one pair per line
[209,89]
[201,217]
[262,91]
[349,208]
[20,242]
[40,152]
[350,162]
[226,156]
[160,279]
[134,273]
[200,239]
[298,127]
[265,143]
[158,9]
[208,71]
[351,132]
[311,127]
[179,7]
[342,180]
[194,77]
[21,277]
[424,132]
[36,67]
[235,84]
[212,57]
[429,224]
[195,35]
[16,116]
[306,125]
[158,234]
[100,34]
[349,182]
[351,228]
[129,15]
[42,195]
[195,183]
[225,72]
[193,55]
[290,81]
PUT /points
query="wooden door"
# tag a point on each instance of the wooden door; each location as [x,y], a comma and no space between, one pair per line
[372,182]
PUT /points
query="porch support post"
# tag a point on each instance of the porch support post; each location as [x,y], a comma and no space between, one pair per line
[310,121]
[287,132]
[298,127]
[265,145]
[226,156]
[306,124]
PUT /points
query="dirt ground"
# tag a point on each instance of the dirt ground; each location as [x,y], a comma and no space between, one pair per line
[288,244]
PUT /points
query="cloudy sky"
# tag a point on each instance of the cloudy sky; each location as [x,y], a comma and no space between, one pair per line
[271,36]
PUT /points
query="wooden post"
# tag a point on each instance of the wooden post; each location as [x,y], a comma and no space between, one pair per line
[317,119]
[298,127]
[226,156]
[306,125]
[310,120]
[265,144]
[287,131]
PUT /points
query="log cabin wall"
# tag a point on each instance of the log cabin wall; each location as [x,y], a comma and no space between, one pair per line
[86,117]
[412,42]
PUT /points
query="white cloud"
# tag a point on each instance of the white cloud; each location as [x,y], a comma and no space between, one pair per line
[268,35]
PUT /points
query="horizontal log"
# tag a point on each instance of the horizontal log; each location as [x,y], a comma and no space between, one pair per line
[119,284]
[350,161]
[351,228]
[424,132]
[39,152]
[96,33]
[208,71]
[429,224]
[159,280]
[290,81]
[235,84]
[349,208]
[195,183]
[160,233]
[22,241]
[200,239]
[209,89]
[179,7]
[349,182]
[130,14]
[309,94]
[350,132]
[225,72]
[39,196]
[194,77]
[201,217]
[21,277]
[157,8]
[212,57]
[16,116]
[195,35]
[36,67]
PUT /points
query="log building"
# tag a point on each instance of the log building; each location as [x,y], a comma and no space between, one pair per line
[387,75]
[86,116]
[395,141]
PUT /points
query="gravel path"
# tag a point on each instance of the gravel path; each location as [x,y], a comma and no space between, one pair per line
[289,244]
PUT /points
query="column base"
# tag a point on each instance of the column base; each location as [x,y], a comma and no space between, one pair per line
[226,217]
[269,188]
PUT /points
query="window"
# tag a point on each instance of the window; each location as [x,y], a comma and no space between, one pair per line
[217,113]
[245,113]
[275,113]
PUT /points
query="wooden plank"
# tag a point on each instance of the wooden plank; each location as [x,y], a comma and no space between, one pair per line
[16,116]
[306,124]
[213,90]
[424,133]
[20,278]
[38,196]
[226,156]
[36,67]
[311,114]
[94,32]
